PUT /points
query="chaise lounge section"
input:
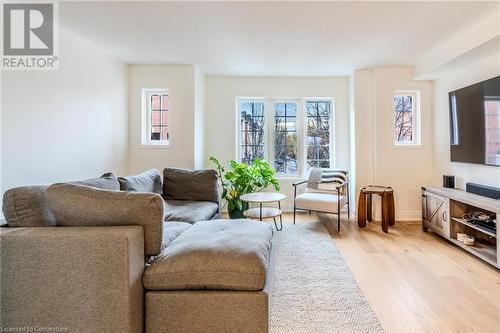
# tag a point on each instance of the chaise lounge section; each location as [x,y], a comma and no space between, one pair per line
[87,257]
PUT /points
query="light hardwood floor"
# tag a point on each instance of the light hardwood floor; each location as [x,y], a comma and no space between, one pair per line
[416,281]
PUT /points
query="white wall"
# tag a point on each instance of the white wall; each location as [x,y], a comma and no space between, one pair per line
[474,72]
[66,124]
[199,118]
[220,112]
[378,161]
[1,189]
[180,80]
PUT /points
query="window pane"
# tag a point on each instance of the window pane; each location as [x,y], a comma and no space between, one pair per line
[155,102]
[159,120]
[164,102]
[155,133]
[164,118]
[285,138]
[155,118]
[318,119]
[164,133]
[252,130]
[318,108]
[403,118]
[285,124]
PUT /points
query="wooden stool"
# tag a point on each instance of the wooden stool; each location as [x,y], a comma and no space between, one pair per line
[365,205]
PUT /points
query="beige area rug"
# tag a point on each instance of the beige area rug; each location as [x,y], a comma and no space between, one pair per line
[314,290]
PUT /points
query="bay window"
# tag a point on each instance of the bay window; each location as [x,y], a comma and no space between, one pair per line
[293,135]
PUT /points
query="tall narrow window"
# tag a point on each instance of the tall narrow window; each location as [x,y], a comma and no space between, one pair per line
[406,118]
[251,130]
[285,138]
[156,117]
[318,134]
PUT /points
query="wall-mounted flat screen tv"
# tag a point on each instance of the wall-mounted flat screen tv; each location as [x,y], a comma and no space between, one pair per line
[475,123]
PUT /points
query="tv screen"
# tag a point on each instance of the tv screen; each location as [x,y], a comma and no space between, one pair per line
[475,123]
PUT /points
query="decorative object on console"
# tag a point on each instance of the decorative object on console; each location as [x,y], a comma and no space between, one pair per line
[468,240]
[243,179]
[485,191]
[461,236]
[448,181]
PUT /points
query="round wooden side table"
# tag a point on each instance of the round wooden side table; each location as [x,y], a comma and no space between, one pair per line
[365,205]
[264,212]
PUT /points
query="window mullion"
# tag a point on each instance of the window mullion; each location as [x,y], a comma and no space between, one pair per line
[270,131]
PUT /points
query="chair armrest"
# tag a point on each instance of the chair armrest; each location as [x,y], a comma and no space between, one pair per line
[299,183]
[84,279]
[341,191]
[295,185]
[344,184]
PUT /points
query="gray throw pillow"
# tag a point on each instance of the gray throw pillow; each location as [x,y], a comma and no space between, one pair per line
[195,185]
[108,181]
[148,181]
[75,205]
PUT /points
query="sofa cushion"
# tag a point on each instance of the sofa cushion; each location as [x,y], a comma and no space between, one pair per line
[27,206]
[190,211]
[75,205]
[172,230]
[148,181]
[321,202]
[195,185]
[214,255]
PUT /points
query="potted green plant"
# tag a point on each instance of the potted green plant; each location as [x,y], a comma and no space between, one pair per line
[241,179]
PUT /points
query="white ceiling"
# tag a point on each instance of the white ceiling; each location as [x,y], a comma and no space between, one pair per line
[272,39]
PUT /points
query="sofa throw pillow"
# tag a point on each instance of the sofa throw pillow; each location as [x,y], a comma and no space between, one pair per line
[195,185]
[76,205]
[108,181]
[148,181]
[27,206]
[326,179]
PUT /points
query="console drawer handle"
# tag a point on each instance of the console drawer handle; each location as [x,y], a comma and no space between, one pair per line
[445,216]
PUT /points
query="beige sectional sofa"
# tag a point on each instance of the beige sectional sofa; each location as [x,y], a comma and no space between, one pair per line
[107,255]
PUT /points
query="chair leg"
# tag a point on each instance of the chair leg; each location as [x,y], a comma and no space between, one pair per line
[392,213]
[369,209]
[385,212]
[348,200]
[338,213]
[362,209]
[294,210]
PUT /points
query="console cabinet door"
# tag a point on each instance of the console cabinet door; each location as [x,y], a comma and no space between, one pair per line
[435,213]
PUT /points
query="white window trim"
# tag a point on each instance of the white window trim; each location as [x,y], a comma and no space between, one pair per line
[302,171]
[146,141]
[416,119]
